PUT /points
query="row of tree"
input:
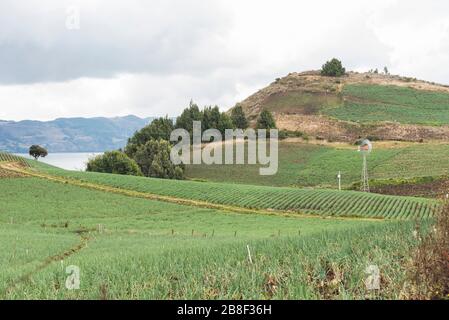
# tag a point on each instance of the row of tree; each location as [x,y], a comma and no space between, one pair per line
[147,152]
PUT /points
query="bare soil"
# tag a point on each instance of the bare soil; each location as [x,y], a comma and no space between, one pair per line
[434,189]
[316,126]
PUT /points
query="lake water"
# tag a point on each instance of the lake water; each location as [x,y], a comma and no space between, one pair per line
[68,161]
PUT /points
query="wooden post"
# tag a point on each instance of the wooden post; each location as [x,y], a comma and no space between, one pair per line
[249,254]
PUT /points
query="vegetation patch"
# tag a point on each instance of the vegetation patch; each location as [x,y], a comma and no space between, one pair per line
[378,103]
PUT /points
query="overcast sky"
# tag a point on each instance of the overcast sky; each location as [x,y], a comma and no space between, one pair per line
[150,57]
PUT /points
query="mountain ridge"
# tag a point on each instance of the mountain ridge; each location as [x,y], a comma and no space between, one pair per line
[77,134]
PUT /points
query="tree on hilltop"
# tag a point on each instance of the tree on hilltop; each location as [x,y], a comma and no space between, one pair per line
[333,68]
[37,151]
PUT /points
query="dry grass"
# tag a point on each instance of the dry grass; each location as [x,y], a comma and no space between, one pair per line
[429,274]
[10,174]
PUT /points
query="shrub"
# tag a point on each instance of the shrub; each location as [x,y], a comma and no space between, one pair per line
[114,162]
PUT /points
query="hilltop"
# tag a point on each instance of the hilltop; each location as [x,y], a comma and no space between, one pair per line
[380,106]
[69,134]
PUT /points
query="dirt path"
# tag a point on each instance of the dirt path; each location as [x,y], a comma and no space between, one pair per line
[49,260]
[182,201]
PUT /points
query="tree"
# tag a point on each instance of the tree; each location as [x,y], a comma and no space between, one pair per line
[225,123]
[266,120]
[214,119]
[114,162]
[37,151]
[333,68]
[160,128]
[238,117]
[154,160]
[211,118]
[386,70]
[190,114]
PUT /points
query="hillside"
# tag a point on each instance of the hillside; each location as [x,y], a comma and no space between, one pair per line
[316,164]
[247,198]
[144,238]
[69,134]
[383,107]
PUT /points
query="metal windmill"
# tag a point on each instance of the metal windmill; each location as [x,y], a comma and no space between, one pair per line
[365,148]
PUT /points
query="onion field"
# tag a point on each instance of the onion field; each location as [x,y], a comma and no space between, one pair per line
[323,202]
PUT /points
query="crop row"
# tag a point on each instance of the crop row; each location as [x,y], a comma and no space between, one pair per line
[314,201]
[8,157]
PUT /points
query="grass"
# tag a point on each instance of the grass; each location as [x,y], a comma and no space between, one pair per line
[376,103]
[306,201]
[136,255]
[311,165]
[301,101]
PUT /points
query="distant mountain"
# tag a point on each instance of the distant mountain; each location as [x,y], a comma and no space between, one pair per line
[70,134]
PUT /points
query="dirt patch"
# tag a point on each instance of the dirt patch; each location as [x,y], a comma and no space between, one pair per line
[434,189]
[10,174]
[333,130]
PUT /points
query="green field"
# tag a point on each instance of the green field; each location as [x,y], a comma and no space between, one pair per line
[155,250]
[375,103]
[306,201]
[311,165]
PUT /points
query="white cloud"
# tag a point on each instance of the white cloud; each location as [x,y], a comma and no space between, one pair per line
[151,57]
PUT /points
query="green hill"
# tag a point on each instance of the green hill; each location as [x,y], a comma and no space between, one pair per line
[384,107]
[316,164]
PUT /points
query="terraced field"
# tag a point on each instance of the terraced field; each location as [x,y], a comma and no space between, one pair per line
[5,156]
[307,201]
[373,103]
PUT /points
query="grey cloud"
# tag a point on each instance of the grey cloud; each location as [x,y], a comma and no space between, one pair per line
[155,37]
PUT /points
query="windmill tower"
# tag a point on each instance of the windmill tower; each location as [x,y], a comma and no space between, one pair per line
[365,148]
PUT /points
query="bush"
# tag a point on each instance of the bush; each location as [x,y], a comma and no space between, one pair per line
[333,68]
[153,159]
[114,162]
